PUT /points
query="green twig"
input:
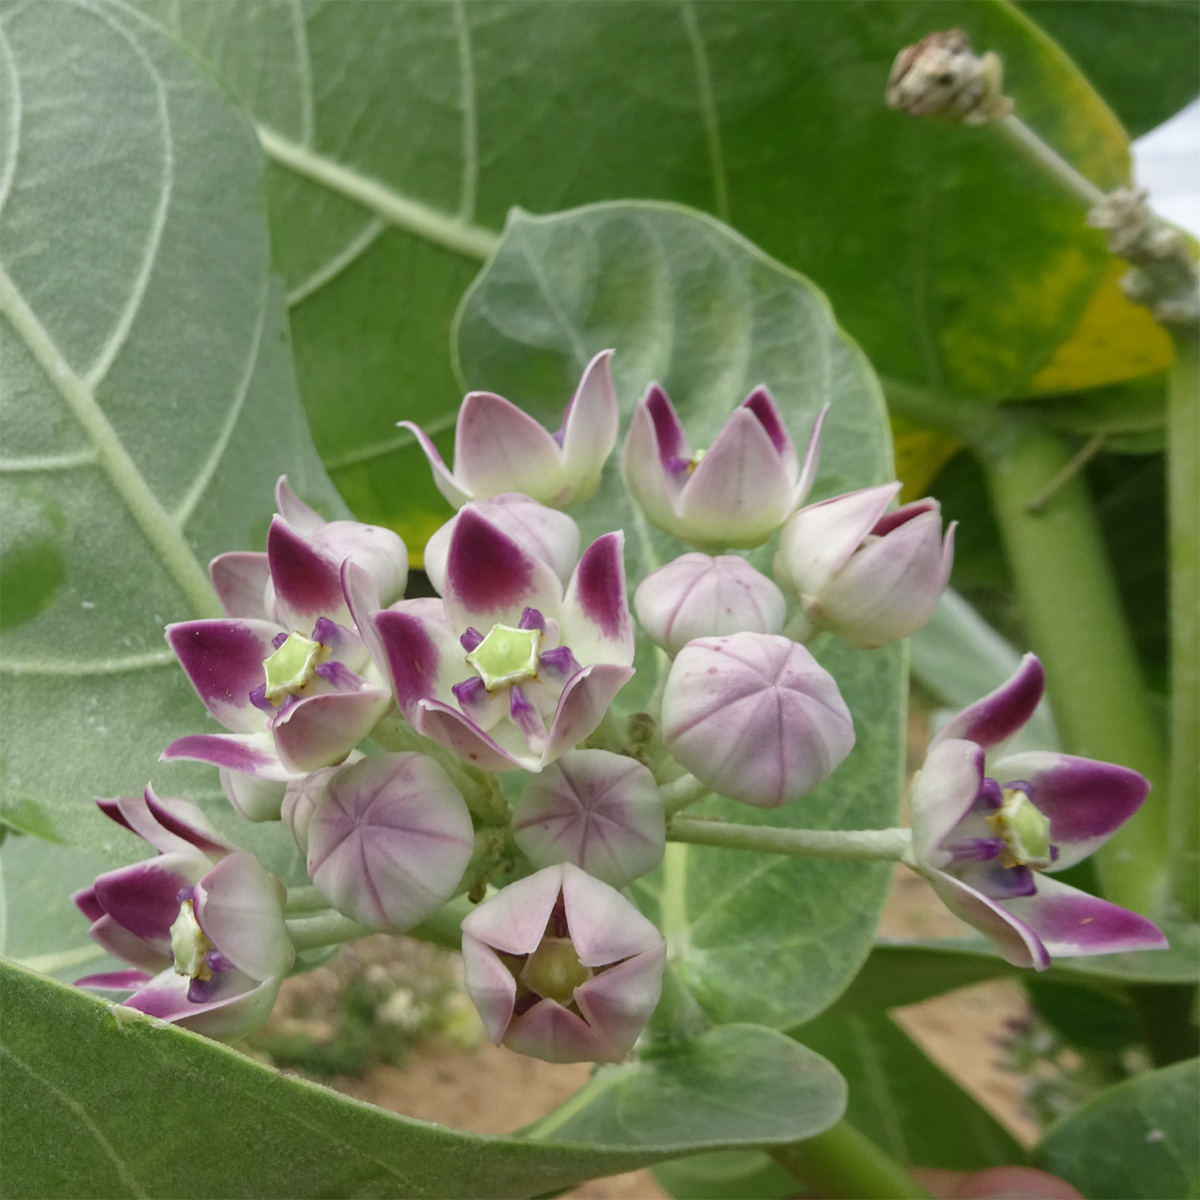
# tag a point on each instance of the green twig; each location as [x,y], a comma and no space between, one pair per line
[1183,505]
[326,928]
[843,1164]
[886,844]
[1074,617]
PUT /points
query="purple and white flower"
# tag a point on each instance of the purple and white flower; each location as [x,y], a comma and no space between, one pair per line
[306,563]
[387,838]
[868,575]
[735,494]
[989,837]
[755,717]
[562,967]
[498,448]
[201,924]
[506,670]
[294,698]
[545,532]
[698,596]
[598,810]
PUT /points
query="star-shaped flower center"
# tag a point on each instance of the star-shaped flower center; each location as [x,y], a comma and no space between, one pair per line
[292,667]
[506,656]
[1024,829]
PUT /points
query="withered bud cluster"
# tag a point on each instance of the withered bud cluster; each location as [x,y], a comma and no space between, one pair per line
[941,76]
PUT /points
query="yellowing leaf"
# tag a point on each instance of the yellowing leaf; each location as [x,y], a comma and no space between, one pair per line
[1115,340]
[920,454]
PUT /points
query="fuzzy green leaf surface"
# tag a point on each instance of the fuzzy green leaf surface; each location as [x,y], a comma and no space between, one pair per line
[1139,1140]
[101,1101]
[147,399]
[686,301]
[403,133]
[905,1103]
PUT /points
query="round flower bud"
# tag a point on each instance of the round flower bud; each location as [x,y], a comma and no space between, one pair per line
[544,532]
[755,717]
[388,840]
[699,596]
[562,967]
[598,810]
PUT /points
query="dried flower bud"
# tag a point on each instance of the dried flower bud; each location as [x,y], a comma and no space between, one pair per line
[942,76]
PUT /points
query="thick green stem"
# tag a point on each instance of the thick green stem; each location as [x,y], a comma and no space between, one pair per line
[682,792]
[327,928]
[304,900]
[843,1164]
[1075,622]
[887,844]
[1183,505]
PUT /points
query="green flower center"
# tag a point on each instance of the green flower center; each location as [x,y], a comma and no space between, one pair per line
[292,667]
[1025,831]
[189,943]
[506,656]
[554,971]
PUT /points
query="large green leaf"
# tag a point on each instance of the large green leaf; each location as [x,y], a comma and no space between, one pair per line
[1139,1140]
[903,1102]
[147,400]
[688,302]
[1139,54]
[100,1101]
[402,133]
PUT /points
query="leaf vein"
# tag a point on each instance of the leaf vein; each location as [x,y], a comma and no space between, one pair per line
[708,108]
[470,120]
[15,114]
[85,1120]
[337,263]
[451,233]
[95,374]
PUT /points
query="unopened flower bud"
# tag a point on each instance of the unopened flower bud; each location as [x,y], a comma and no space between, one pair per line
[698,596]
[546,533]
[388,840]
[755,717]
[562,967]
[738,492]
[598,810]
[868,575]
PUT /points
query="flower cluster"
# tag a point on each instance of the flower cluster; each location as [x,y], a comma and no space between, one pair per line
[422,748]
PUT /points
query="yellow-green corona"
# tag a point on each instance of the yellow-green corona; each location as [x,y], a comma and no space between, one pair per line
[189,944]
[1025,831]
[292,667]
[506,656]
[554,971]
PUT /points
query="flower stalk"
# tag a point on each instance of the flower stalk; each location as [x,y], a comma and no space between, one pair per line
[327,928]
[889,845]
[844,1164]
[1183,504]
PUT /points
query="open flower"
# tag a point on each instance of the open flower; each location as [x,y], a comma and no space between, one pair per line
[293,697]
[506,670]
[868,575]
[545,532]
[986,837]
[735,494]
[498,448]
[202,923]
[562,967]
[755,717]
[305,564]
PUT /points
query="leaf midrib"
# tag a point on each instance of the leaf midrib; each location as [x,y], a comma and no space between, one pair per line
[159,529]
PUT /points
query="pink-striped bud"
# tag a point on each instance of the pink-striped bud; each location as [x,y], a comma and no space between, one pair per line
[388,840]
[755,717]
[598,810]
[699,596]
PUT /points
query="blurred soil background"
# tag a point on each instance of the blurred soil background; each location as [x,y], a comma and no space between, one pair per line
[387,1021]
